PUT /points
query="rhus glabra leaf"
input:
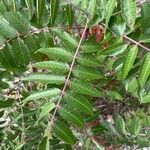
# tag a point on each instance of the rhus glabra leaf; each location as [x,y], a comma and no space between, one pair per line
[144,71]
[128,8]
[63,132]
[128,62]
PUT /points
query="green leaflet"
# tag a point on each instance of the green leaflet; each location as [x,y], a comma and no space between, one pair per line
[144,71]
[90,47]
[43,94]
[92,118]
[45,39]
[115,49]
[85,88]
[92,8]
[62,146]
[63,132]
[143,142]
[145,9]
[128,62]
[2,40]
[44,144]
[69,14]
[18,21]
[115,95]
[6,103]
[3,61]
[5,74]
[54,6]
[145,98]
[6,30]
[135,126]
[119,124]
[45,78]
[88,61]
[32,43]
[131,84]
[79,102]
[109,126]
[3,85]
[42,15]
[57,53]
[30,6]
[72,116]
[21,52]
[15,57]
[87,73]
[46,109]
[144,38]
[102,8]
[117,65]
[129,12]
[54,66]
[2,7]
[67,40]
[117,25]
[10,5]
[110,6]
[8,58]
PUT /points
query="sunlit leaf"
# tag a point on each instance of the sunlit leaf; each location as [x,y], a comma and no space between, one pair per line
[128,8]
[63,132]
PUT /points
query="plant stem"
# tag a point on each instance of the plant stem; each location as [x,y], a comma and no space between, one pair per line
[137,43]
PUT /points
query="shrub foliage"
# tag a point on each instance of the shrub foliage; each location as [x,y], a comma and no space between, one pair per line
[74,74]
